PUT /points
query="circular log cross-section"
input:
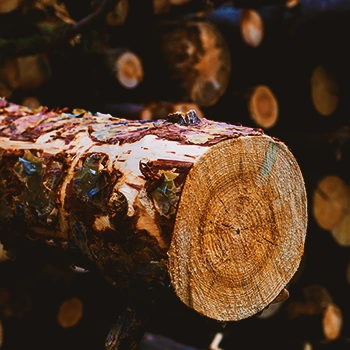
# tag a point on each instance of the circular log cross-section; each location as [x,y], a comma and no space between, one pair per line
[252,27]
[198,57]
[324,91]
[239,229]
[263,107]
[330,202]
[126,66]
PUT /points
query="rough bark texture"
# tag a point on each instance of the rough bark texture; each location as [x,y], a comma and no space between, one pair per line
[219,208]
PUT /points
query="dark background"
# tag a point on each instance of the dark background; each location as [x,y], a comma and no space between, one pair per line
[296,40]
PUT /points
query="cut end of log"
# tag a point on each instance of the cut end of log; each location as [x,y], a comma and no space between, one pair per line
[240,228]
[263,107]
[252,27]
[129,70]
[204,66]
[332,322]
[324,91]
[70,312]
[330,202]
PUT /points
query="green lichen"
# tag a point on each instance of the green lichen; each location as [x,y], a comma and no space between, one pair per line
[90,179]
[165,196]
[38,197]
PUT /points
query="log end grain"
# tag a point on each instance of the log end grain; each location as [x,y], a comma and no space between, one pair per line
[198,56]
[252,27]
[240,228]
[263,107]
[324,91]
[129,70]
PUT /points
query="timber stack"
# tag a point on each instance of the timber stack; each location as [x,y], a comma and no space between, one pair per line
[214,209]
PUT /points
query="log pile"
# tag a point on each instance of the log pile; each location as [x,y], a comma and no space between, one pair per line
[274,64]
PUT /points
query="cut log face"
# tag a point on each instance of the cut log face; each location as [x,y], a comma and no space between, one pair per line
[129,71]
[218,209]
[7,6]
[332,322]
[324,91]
[198,56]
[252,27]
[263,107]
[331,203]
[231,236]
[70,312]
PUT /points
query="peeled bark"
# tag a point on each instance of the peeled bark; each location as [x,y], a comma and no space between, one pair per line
[217,210]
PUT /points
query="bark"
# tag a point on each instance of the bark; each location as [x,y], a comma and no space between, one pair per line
[217,210]
[128,330]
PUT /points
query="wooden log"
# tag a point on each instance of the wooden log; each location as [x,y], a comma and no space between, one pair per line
[324,91]
[331,208]
[263,107]
[127,331]
[252,27]
[126,66]
[70,312]
[332,322]
[198,59]
[7,6]
[217,210]
[330,201]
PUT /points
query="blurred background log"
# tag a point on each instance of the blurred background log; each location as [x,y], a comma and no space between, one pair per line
[301,58]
